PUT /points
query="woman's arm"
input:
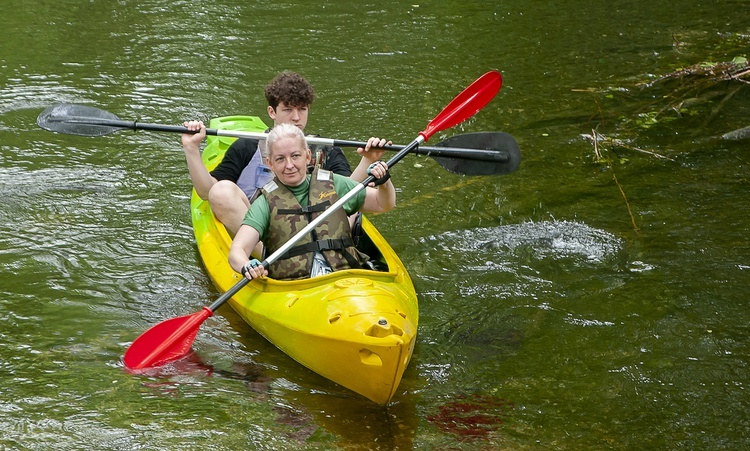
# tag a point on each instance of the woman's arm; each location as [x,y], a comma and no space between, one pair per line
[381,198]
[239,252]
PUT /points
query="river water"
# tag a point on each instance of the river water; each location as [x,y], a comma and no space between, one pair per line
[595,298]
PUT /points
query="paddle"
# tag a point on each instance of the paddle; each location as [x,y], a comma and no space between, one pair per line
[494,153]
[171,339]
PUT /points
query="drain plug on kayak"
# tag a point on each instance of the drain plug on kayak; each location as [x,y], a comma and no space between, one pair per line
[383,329]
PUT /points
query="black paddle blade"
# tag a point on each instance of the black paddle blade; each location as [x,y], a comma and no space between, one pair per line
[77,120]
[508,154]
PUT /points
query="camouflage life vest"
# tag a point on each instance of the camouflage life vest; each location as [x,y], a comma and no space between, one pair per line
[332,237]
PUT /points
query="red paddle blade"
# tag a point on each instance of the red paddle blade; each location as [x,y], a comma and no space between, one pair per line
[466,104]
[165,342]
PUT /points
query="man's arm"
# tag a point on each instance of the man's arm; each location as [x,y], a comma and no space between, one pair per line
[202,180]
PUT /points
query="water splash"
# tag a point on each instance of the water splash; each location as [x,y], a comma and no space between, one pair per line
[538,240]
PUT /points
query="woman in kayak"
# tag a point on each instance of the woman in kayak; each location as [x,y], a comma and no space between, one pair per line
[293,199]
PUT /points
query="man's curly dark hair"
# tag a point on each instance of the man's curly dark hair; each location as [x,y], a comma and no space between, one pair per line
[291,88]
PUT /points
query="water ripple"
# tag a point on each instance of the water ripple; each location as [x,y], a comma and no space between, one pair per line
[484,290]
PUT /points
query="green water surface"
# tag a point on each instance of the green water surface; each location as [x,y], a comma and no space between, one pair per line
[586,301]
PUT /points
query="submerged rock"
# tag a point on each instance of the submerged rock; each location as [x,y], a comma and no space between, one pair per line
[737,135]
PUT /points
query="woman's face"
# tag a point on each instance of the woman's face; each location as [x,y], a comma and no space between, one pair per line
[288,159]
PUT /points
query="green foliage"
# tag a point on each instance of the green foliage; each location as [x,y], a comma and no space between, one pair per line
[653,118]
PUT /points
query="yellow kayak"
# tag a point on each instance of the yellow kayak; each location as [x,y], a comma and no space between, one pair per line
[356,327]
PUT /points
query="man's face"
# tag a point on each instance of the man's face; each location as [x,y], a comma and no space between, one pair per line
[288,160]
[285,114]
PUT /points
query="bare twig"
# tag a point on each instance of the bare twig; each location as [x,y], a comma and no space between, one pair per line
[627,204]
[738,76]
[596,137]
[645,151]
[721,104]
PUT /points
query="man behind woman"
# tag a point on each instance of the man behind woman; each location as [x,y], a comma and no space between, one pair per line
[234,183]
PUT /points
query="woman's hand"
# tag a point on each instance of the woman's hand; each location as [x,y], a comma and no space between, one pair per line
[254,269]
[379,170]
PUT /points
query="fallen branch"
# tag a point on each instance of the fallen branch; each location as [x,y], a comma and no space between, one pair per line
[596,137]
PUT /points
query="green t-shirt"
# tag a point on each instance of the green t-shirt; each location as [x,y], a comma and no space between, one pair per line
[259,214]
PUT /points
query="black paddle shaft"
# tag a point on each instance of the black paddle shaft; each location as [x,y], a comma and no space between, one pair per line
[88,126]
[496,147]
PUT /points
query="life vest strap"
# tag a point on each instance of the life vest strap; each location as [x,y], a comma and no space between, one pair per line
[320,245]
[305,210]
